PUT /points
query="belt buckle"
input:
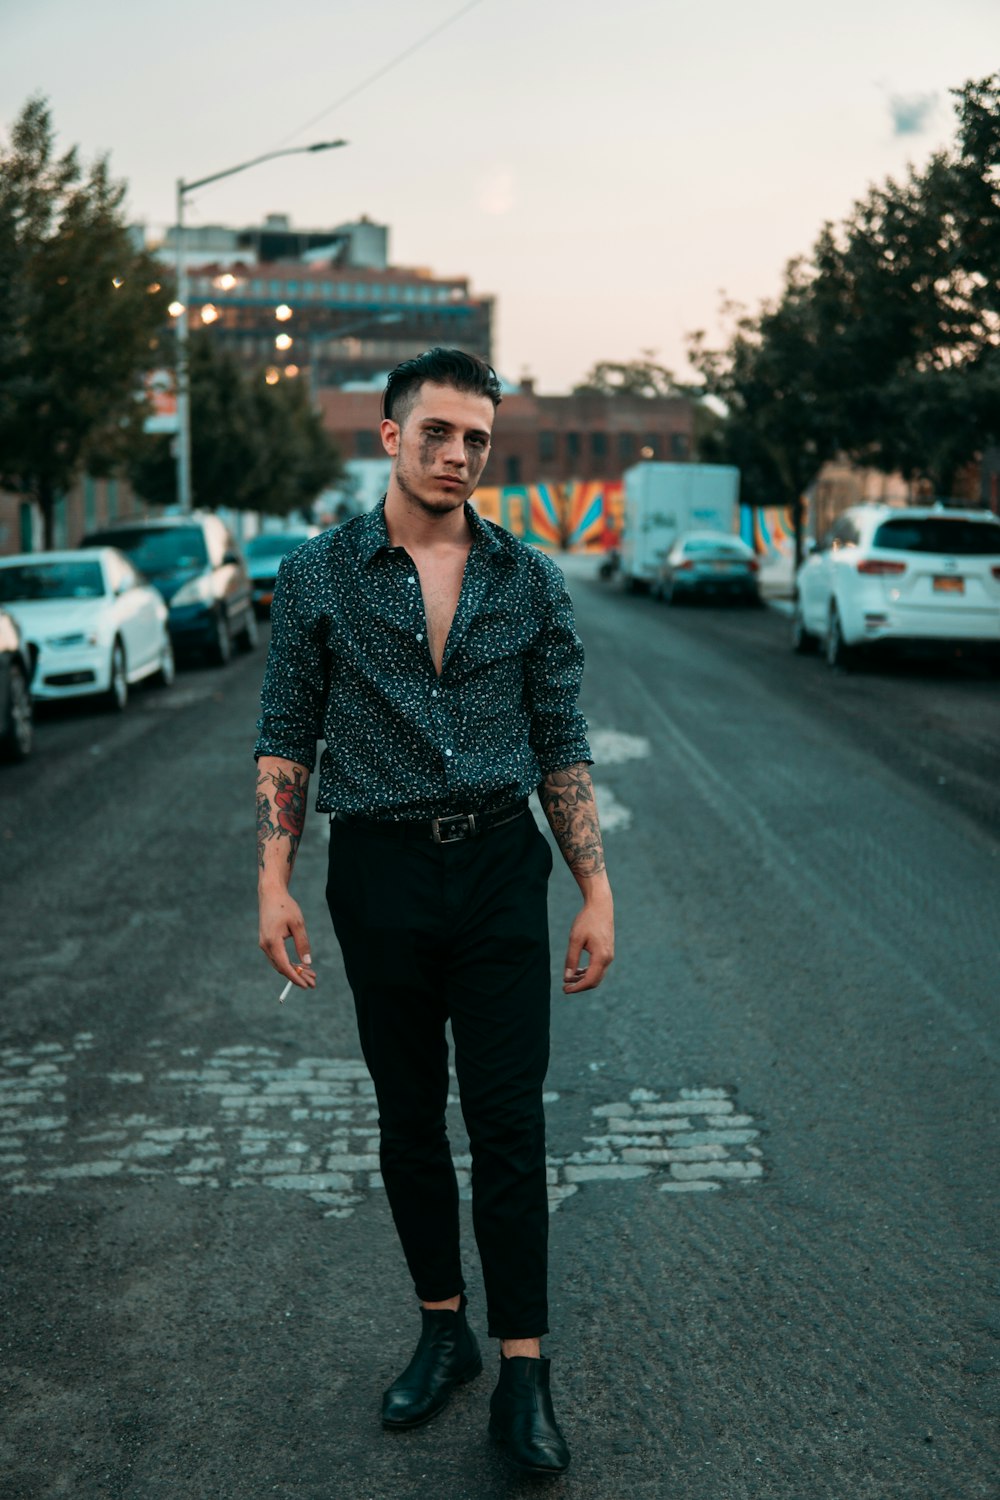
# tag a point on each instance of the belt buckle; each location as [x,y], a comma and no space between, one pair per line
[441,835]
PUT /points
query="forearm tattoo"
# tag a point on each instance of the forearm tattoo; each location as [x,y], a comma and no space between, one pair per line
[281,809]
[567,798]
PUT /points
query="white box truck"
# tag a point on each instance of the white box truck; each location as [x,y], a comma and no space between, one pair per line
[661,501]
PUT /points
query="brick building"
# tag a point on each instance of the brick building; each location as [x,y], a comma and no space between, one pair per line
[543,439]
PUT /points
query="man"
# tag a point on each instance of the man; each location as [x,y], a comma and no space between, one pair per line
[436,656]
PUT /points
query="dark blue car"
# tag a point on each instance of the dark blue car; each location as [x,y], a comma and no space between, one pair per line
[197,566]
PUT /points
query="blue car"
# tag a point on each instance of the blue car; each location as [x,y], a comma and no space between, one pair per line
[195,563]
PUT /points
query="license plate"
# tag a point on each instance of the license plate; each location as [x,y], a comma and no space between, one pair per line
[949,585]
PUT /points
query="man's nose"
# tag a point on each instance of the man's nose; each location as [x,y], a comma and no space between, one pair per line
[454,450]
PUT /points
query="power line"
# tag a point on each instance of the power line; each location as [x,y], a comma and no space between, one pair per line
[386,68]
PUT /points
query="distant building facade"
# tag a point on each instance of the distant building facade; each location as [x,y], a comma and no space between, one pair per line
[544,439]
[323,305]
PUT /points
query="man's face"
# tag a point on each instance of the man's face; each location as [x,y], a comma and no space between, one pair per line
[441,448]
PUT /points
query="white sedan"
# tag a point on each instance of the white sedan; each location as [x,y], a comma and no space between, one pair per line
[92,624]
[920,576]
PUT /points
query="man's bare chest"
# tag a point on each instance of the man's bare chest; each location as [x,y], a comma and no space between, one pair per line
[441,587]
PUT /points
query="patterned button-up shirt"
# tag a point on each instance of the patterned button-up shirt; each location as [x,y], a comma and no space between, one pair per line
[350,664]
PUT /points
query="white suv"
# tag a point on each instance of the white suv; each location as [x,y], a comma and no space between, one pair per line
[922,575]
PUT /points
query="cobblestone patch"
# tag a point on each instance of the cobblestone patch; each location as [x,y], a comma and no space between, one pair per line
[311,1125]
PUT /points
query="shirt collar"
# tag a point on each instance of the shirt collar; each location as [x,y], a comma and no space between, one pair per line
[374,534]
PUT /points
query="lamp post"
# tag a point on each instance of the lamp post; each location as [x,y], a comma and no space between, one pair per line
[182,369]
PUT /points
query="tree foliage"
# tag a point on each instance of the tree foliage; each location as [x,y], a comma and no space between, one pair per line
[884,344]
[637,377]
[253,446]
[80,316]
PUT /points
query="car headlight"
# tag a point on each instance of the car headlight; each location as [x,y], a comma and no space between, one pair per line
[78,638]
[195,591]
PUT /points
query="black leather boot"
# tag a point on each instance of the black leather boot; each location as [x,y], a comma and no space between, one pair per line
[521,1417]
[446,1356]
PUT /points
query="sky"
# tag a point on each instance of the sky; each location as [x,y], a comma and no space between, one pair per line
[608,171]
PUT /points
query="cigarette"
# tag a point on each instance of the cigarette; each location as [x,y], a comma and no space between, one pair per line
[284,994]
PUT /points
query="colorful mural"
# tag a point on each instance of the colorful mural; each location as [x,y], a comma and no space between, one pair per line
[769,529]
[582,516]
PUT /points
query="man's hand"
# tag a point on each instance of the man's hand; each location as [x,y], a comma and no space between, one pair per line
[282,791]
[593,933]
[281,919]
[567,797]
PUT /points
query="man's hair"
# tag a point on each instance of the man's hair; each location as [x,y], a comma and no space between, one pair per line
[464,372]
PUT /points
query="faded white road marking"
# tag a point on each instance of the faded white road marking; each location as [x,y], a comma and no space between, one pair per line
[310,1125]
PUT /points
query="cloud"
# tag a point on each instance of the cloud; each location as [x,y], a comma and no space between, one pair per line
[912,113]
[496,195]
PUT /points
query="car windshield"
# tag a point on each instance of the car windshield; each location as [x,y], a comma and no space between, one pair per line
[718,547]
[51,580]
[275,545]
[958,536]
[169,550]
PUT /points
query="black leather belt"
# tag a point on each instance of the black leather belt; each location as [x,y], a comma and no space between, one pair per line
[449,828]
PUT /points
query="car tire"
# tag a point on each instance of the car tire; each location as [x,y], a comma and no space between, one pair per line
[19,731]
[222,646]
[803,640]
[839,656]
[167,670]
[250,635]
[116,695]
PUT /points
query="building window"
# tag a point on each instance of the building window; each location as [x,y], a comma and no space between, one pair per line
[546,446]
[364,443]
[328,289]
[512,471]
[59,521]
[598,445]
[572,447]
[112,494]
[626,447]
[680,445]
[275,288]
[651,445]
[257,288]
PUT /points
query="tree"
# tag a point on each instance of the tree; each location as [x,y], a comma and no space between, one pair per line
[884,345]
[82,309]
[253,446]
[637,377]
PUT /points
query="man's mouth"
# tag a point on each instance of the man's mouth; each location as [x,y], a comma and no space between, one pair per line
[451,480]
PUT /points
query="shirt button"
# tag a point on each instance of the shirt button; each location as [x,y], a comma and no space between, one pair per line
[448,752]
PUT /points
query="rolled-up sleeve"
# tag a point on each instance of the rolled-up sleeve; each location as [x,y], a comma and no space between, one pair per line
[553,673]
[293,695]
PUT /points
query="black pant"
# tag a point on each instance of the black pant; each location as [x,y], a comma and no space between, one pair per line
[431,932]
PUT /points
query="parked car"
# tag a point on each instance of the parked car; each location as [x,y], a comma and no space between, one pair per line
[264,554]
[709,564]
[195,563]
[17,725]
[921,577]
[92,624]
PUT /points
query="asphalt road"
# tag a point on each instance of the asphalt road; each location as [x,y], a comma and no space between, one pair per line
[772,1131]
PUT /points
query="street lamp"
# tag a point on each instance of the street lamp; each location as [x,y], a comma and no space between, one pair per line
[183,373]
